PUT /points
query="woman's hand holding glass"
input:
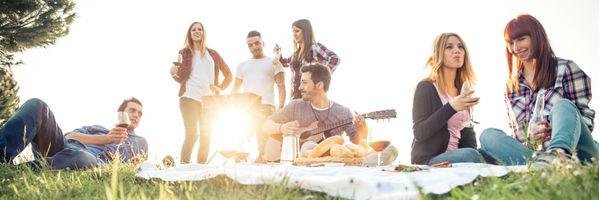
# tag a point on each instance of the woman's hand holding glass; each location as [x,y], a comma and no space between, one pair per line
[176,65]
[464,101]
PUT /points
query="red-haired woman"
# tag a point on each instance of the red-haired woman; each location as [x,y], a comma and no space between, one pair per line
[198,76]
[307,50]
[567,119]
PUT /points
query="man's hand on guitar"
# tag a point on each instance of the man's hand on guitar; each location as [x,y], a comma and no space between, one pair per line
[289,127]
[358,120]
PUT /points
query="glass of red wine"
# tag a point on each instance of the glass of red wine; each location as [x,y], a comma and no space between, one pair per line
[379,146]
[123,120]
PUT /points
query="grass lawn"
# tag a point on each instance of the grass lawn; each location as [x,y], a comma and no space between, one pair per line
[118,181]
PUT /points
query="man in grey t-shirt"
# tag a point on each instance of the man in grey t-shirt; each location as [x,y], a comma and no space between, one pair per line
[314,106]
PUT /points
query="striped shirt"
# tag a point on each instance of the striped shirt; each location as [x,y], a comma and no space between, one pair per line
[571,83]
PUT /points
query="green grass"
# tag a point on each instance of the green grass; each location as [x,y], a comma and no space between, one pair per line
[570,180]
[118,181]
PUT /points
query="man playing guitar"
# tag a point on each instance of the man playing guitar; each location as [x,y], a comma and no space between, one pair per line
[314,106]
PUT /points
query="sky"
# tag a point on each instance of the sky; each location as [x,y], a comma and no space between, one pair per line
[118,49]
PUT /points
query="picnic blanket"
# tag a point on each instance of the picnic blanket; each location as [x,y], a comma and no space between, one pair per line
[347,182]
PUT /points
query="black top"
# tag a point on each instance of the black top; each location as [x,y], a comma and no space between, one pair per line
[430,117]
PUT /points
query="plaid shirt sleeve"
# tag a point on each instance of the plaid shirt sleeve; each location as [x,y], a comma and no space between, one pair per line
[577,88]
[320,51]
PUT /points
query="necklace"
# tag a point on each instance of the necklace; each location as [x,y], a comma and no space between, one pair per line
[316,116]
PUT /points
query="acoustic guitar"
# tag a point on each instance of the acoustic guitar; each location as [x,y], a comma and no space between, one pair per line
[315,132]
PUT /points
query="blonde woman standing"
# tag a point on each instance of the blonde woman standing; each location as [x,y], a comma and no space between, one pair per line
[198,75]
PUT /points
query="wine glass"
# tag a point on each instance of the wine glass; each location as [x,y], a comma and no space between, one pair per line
[123,119]
[179,60]
[379,146]
[466,87]
[228,154]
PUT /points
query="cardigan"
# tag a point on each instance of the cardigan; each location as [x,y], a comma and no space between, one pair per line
[430,117]
[184,70]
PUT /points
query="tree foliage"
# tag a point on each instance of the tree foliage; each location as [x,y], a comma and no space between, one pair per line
[26,24]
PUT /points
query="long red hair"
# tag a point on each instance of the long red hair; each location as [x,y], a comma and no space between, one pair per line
[543,57]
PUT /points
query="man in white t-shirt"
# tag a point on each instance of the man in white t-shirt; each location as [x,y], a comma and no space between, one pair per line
[258,75]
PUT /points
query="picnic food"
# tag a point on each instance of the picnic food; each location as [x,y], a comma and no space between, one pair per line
[326,145]
[332,150]
[442,165]
[309,145]
[341,151]
[357,150]
[306,153]
[379,146]
[404,168]
[328,159]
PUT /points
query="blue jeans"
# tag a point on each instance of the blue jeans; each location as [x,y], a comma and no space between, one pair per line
[191,110]
[34,123]
[458,156]
[568,132]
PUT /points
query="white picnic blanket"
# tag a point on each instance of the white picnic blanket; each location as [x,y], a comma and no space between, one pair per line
[347,182]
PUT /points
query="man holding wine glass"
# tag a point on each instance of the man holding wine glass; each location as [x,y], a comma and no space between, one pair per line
[85,147]
[315,106]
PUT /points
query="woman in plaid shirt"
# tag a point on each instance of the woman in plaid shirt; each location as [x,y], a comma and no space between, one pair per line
[567,119]
[307,51]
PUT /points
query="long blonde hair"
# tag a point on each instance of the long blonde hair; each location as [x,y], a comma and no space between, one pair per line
[189,45]
[435,62]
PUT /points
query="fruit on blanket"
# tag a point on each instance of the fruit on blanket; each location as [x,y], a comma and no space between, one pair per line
[341,151]
[388,156]
[378,146]
[326,145]
[442,165]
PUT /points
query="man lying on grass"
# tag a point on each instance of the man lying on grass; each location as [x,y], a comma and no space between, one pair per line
[85,147]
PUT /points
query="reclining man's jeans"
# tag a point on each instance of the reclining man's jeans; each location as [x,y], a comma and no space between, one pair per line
[569,132]
[34,123]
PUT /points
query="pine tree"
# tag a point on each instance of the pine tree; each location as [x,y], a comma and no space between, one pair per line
[26,24]
[9,101]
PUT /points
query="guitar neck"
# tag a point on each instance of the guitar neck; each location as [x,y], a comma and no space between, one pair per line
[383,114]
[332,126]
